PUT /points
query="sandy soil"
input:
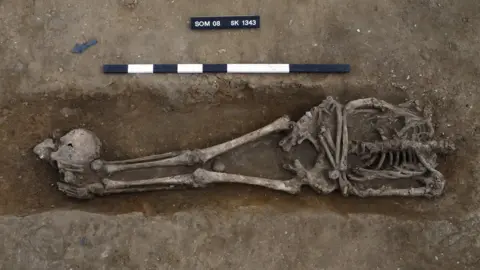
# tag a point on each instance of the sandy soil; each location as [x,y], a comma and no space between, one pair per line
[426,50]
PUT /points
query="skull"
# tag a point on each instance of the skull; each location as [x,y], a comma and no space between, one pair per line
[72,154]
[75,150]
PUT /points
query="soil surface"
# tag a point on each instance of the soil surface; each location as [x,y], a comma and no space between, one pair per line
[398,50]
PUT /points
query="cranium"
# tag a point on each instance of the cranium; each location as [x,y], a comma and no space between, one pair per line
[76,149]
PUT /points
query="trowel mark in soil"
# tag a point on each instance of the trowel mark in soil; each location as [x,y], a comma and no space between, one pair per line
[142,124]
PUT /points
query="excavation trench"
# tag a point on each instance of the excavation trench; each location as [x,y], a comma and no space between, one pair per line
[141,123]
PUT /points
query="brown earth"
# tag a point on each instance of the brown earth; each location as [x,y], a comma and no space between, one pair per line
[426,50]
[144,123]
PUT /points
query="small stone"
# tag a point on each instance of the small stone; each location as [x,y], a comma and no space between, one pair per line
[130,3]
[106,252]
[218,166]
[425,55]
[19,67]
[67,112]
[358,30]
[61,70]
[57,134]
[83,241]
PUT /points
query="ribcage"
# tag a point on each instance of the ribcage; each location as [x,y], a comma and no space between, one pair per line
[417,131]
[390,159]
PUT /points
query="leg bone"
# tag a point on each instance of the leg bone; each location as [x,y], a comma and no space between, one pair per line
[388,191]
[145,159]
[138,189]
[183,179]
[200,178]
[188,158]
[292,186]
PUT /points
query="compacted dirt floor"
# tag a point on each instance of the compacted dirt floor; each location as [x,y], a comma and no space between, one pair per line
[398,50]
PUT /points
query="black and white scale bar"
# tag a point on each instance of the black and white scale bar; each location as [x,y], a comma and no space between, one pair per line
[227,68]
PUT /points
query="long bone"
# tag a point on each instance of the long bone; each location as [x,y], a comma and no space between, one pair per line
[98,189]
[389,191]
[182,179]
[201,178]
[313,177]
[292,186]
[188,157]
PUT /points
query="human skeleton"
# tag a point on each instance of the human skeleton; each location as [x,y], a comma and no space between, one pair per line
[402,148]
